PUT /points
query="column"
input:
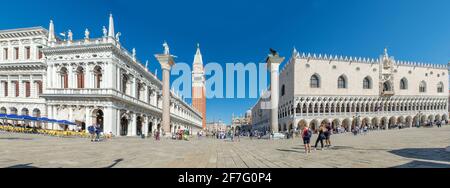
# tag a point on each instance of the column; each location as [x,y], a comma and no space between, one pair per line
[155,125]
[119,76]
[108,122]
[145,127]
[88,120]
[166,60]
[273,65]
[132,125]
[118,123]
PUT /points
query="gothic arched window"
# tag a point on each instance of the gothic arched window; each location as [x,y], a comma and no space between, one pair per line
[342,82]
[315,81]
[367,83]
[80,78]
[440,87]
[98,77]
[404,84]
[64,78]
[423,87]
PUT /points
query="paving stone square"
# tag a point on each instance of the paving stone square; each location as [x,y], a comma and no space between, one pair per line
[407,148]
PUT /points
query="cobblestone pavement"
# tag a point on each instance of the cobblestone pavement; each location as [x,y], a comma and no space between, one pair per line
[410,148]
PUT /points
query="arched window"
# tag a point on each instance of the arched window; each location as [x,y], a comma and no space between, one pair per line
[440,87]
[423,87]
[64,78]
[315,81]
[80,78]
[367,83]
[39,87]
[342,82]
[124,83]
[98,77]
[403,84]
[387,86]
[283,90]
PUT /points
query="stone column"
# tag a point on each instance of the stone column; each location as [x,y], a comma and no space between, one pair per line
[166,61]
[88,121]
[273,65]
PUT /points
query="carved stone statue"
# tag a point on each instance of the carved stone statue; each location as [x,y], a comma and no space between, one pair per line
[134,52]
[86,34]
[166,48]
[118,36]
[70,35]
[105,32]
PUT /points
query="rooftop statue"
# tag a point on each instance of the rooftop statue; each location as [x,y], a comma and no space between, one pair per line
[70,35]
[86,34]
[118,36]
[105,32]
[166,48]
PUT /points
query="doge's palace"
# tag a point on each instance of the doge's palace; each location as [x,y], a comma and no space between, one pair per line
[349,92]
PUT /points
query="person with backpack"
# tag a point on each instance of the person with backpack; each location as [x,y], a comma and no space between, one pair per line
[98,132]
[306,135]
[320,138]
[91,130]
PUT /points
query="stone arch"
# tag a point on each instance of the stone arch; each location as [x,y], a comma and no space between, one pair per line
[25,112]
[302,124]
[384,122]
[445,117]
[401,121]
[392,122]
[409,121]
[314,125]
[335,124]
[347,124]
[98,118]
[366,122]
[438,117]
[325,122]
[124,124]
[3,110]
[375,123]
[430,119]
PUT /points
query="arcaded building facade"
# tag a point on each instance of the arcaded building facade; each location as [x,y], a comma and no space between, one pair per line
[87,81]
[347,92]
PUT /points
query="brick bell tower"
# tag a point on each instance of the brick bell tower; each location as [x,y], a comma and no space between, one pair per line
[198,86]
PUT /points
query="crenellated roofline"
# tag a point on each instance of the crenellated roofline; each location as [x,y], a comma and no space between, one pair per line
[349,59]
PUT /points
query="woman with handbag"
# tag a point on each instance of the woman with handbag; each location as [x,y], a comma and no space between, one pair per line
[320,137]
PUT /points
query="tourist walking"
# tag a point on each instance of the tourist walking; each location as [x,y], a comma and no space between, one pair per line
[98,132]
[320,137]
[328,132]
[91,130]
[306,136]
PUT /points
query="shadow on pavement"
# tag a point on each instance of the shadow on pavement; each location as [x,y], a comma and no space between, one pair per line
[29,165]
[422,164]
[434,154]
[16,139]
[115,163]
[291,150]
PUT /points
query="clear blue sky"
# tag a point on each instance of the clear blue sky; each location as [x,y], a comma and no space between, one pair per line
[243,31]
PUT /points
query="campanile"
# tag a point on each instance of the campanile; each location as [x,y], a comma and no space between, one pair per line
[198,86]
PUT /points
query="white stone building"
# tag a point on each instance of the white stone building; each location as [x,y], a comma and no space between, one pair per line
[88,81]
[347,92]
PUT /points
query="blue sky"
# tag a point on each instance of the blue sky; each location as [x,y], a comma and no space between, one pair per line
[242,31]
